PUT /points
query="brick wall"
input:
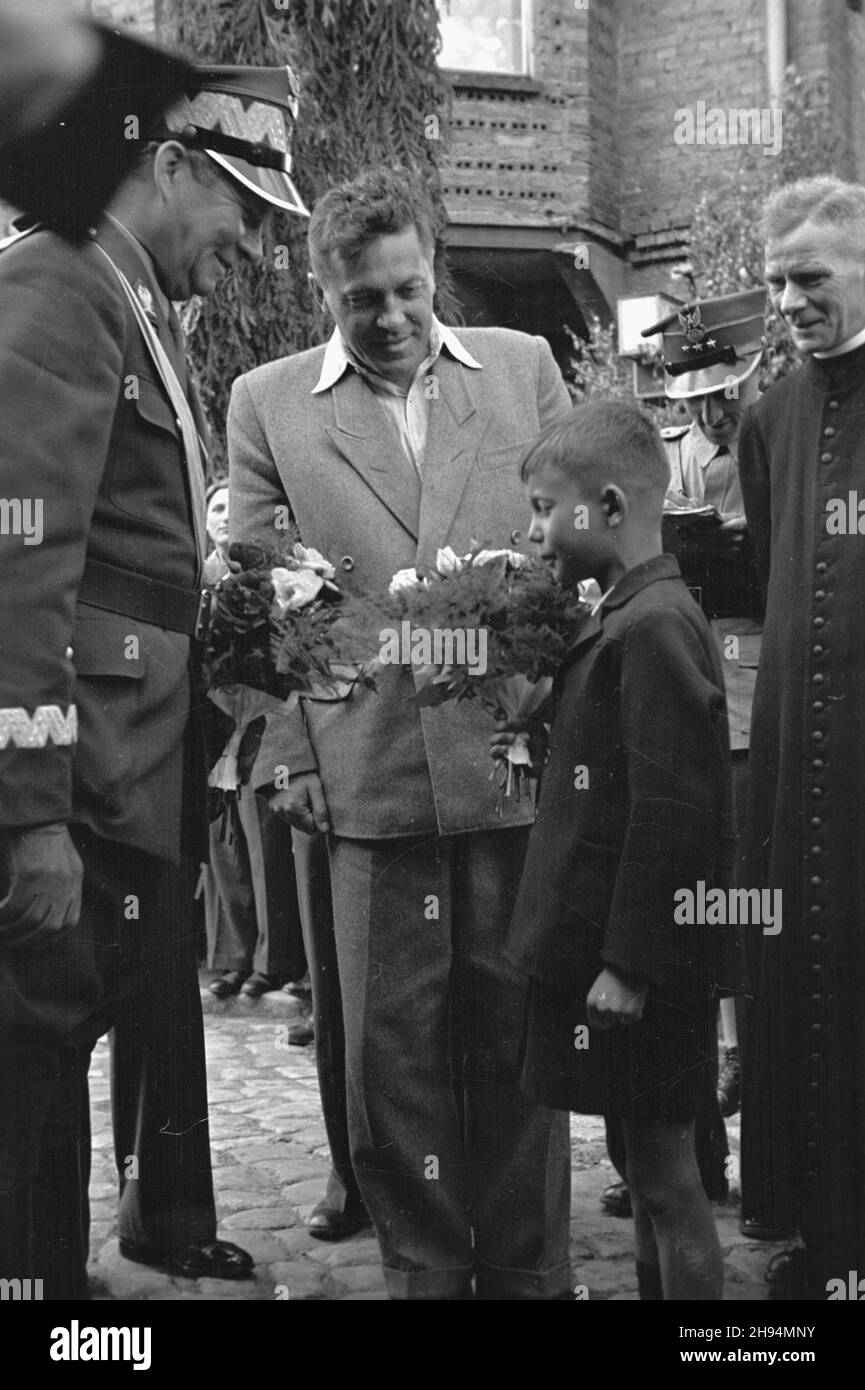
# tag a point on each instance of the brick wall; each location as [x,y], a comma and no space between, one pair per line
[523,156]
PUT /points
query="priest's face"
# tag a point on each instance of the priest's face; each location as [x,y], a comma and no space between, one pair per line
[816,280]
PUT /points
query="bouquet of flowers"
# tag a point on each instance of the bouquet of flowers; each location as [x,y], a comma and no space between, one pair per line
[269,635]
[492,625]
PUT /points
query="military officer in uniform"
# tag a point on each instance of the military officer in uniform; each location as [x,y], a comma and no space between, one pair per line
[101,774]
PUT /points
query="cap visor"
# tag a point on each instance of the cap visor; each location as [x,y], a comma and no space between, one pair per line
[272,185]
[703,383]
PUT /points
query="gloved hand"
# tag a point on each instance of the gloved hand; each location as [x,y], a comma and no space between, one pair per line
[40,880]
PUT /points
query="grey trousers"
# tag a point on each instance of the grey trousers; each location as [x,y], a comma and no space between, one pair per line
[251,911]
[466,1179]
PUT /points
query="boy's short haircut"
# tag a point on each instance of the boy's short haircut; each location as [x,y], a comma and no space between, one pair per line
[377,202]
[603,442]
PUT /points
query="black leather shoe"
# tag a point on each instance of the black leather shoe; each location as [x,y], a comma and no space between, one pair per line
[302,1034]
[757,1230]
[786,1275]
[616,1199]
[326,1223]
[227,983]
[213,1259]
[257,984]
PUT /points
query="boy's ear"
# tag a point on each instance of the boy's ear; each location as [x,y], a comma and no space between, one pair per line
[614,504]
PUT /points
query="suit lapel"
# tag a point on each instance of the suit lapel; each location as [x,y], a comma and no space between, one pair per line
[368,440]
[456,428]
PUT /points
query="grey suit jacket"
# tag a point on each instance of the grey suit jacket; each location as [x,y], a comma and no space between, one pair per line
[389,768]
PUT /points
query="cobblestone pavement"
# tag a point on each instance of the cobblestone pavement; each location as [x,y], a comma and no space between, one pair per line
[270,1163]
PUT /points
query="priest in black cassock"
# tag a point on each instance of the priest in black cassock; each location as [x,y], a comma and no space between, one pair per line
[802,469]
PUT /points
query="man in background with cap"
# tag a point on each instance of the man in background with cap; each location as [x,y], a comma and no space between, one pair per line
[101,775]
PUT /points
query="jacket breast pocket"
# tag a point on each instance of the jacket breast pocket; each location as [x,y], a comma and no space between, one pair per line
[493,460]
[154,407]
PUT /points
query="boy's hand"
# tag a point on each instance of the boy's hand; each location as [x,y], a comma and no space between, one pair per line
[506,735]
[612,1002]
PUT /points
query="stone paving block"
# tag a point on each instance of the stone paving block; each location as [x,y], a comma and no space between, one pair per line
[231,1200]
[304,1195]
[260,1219]
[608,1245]
[299,1278]
[357,1250]
[237,1176]
[358,1278]
[124,1279]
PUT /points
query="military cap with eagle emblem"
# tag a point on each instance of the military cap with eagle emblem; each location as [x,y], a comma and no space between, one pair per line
[239,119]
[712,341]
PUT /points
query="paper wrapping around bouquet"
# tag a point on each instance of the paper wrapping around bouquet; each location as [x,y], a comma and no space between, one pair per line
[243,704]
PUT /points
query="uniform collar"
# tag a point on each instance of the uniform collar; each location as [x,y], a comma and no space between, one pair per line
[147,262]
[338,357]
[703,449]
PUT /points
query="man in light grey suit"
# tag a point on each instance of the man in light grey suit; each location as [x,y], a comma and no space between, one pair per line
[398,437]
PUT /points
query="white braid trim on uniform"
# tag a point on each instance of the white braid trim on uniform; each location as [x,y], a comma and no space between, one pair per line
[48,722]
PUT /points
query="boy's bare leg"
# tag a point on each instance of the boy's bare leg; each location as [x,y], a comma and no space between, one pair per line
[666,1191]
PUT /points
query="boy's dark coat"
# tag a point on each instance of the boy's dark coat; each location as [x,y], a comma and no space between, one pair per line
[641,711]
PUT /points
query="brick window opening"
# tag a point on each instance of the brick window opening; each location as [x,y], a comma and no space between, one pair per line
[485,35]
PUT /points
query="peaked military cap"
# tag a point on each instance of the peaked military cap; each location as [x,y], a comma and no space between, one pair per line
[712,341]
[238,117]
[65,170]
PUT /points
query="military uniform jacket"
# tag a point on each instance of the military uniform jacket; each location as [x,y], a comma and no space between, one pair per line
[387,767]
[802,465]
[87,430]
[635,801]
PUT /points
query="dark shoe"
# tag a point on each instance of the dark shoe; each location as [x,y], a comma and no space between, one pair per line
[258,984]
[786,1276]
[755,1230]
[301,989]
[326,1223]
[227,983]
[213,1259]
[729,1083]
[616,1199]
[302,1034]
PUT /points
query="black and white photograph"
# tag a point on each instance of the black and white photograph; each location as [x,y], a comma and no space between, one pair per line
[432,668]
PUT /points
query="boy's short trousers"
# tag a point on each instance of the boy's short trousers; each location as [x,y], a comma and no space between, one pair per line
[651,1070]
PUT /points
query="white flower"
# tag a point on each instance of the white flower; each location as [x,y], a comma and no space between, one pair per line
[313,560]
[404,579]
[294,589]
[447,561]
[515,558]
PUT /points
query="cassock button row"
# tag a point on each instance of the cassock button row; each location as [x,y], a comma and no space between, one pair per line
[819,622]
[816,850]
[69,653]
[833,405]
[516,536]
[816,940]
[816,881]
[820,595]
[818,707]
[829,432]
[814,911]
[818,678]
[818,764]
[825,458]
[347,562]
[817,737]
[817,651]
[821,567]
[816,821]
[816,791]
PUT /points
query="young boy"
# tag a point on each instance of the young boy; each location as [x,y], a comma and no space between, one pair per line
[634,806]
